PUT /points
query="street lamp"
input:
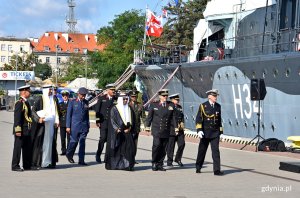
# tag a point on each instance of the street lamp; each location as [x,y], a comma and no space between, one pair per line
[33,66]
[85,53]
[16,73]
[56,65]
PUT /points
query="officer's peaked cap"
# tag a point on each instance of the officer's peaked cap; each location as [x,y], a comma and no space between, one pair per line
[83,91]
[213,92]
[174,96]
[25,87]
[65,92]
[163,92]
[110,86]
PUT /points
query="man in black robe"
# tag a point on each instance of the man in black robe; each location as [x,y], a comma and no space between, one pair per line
[120,143]
[40,117]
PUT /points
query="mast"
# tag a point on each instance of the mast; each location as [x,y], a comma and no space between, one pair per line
[70,19]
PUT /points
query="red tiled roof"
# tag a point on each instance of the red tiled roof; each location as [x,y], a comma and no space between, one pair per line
[67,42]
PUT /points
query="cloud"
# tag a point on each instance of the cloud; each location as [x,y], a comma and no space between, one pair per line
[42,8]
[86,26]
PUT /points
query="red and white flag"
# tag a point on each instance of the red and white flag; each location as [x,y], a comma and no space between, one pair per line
[153,25]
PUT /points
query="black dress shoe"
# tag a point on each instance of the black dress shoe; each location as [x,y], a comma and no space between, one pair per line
[160,168]
[198,170]
[129,169]
[82,163]
[154,167]
[18,169]
[179,163]
[219,173]
[70,159]
[98,159]
[63,153]
[34,168]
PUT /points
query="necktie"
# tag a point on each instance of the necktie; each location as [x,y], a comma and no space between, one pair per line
[212,105]
[164,104]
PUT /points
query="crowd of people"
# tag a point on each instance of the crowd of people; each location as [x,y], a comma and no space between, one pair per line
[119,117]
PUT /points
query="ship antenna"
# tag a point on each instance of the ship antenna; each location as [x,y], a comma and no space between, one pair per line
[263,38]
[70,20]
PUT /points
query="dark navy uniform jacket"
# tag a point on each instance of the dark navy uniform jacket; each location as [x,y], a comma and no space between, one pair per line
[22,117]
[78,116]
[179,118]
[209,120]
[161,119]
[102,109]
[62,112]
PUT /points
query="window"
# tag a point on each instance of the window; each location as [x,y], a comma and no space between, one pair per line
[58,60]
[47,59]
[8,59]
[59,49]
[76,50]
[3,47]
[3,59]
[9,47]
[46,49]
[22,48]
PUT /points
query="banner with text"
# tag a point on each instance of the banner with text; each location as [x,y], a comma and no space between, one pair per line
[16,75]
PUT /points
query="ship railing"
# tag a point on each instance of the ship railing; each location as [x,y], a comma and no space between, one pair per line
[252,45]
[144,57]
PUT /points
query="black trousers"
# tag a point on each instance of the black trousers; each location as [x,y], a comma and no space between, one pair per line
[22,144]
[159,150]
[171,147]
[63,136]
[214,144]
[102,140]
[136,139]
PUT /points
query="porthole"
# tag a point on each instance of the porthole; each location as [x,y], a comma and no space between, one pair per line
[263,126]
[245,124]
[227,75]
[201,77]
[219,76]
[192,80]
[211,76]
[235,75]
[287,72]
[237,123]
[275,73]
[244,74]
[264,73]
[229,122]
[253,74]
[273,127]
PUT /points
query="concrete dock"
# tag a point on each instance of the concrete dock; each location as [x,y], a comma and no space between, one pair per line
[247,174]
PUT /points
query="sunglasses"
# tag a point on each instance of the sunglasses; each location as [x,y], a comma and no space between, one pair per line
[125,98]
[164,96]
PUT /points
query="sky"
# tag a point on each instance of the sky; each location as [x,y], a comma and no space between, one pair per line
[32,18]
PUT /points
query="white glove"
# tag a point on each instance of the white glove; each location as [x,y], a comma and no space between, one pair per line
[221,137]
[200,134]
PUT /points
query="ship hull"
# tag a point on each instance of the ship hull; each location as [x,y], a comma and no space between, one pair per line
[279,111]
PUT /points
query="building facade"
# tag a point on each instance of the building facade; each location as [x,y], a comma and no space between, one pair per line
[55,48]
[10,46]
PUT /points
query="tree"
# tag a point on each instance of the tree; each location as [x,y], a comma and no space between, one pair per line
[73,68]
[24,62]
[43,71]
[183,18]
[122,37]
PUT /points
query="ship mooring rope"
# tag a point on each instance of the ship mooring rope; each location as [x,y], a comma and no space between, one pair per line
[163,86]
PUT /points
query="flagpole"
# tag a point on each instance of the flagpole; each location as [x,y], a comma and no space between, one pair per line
[145,38]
